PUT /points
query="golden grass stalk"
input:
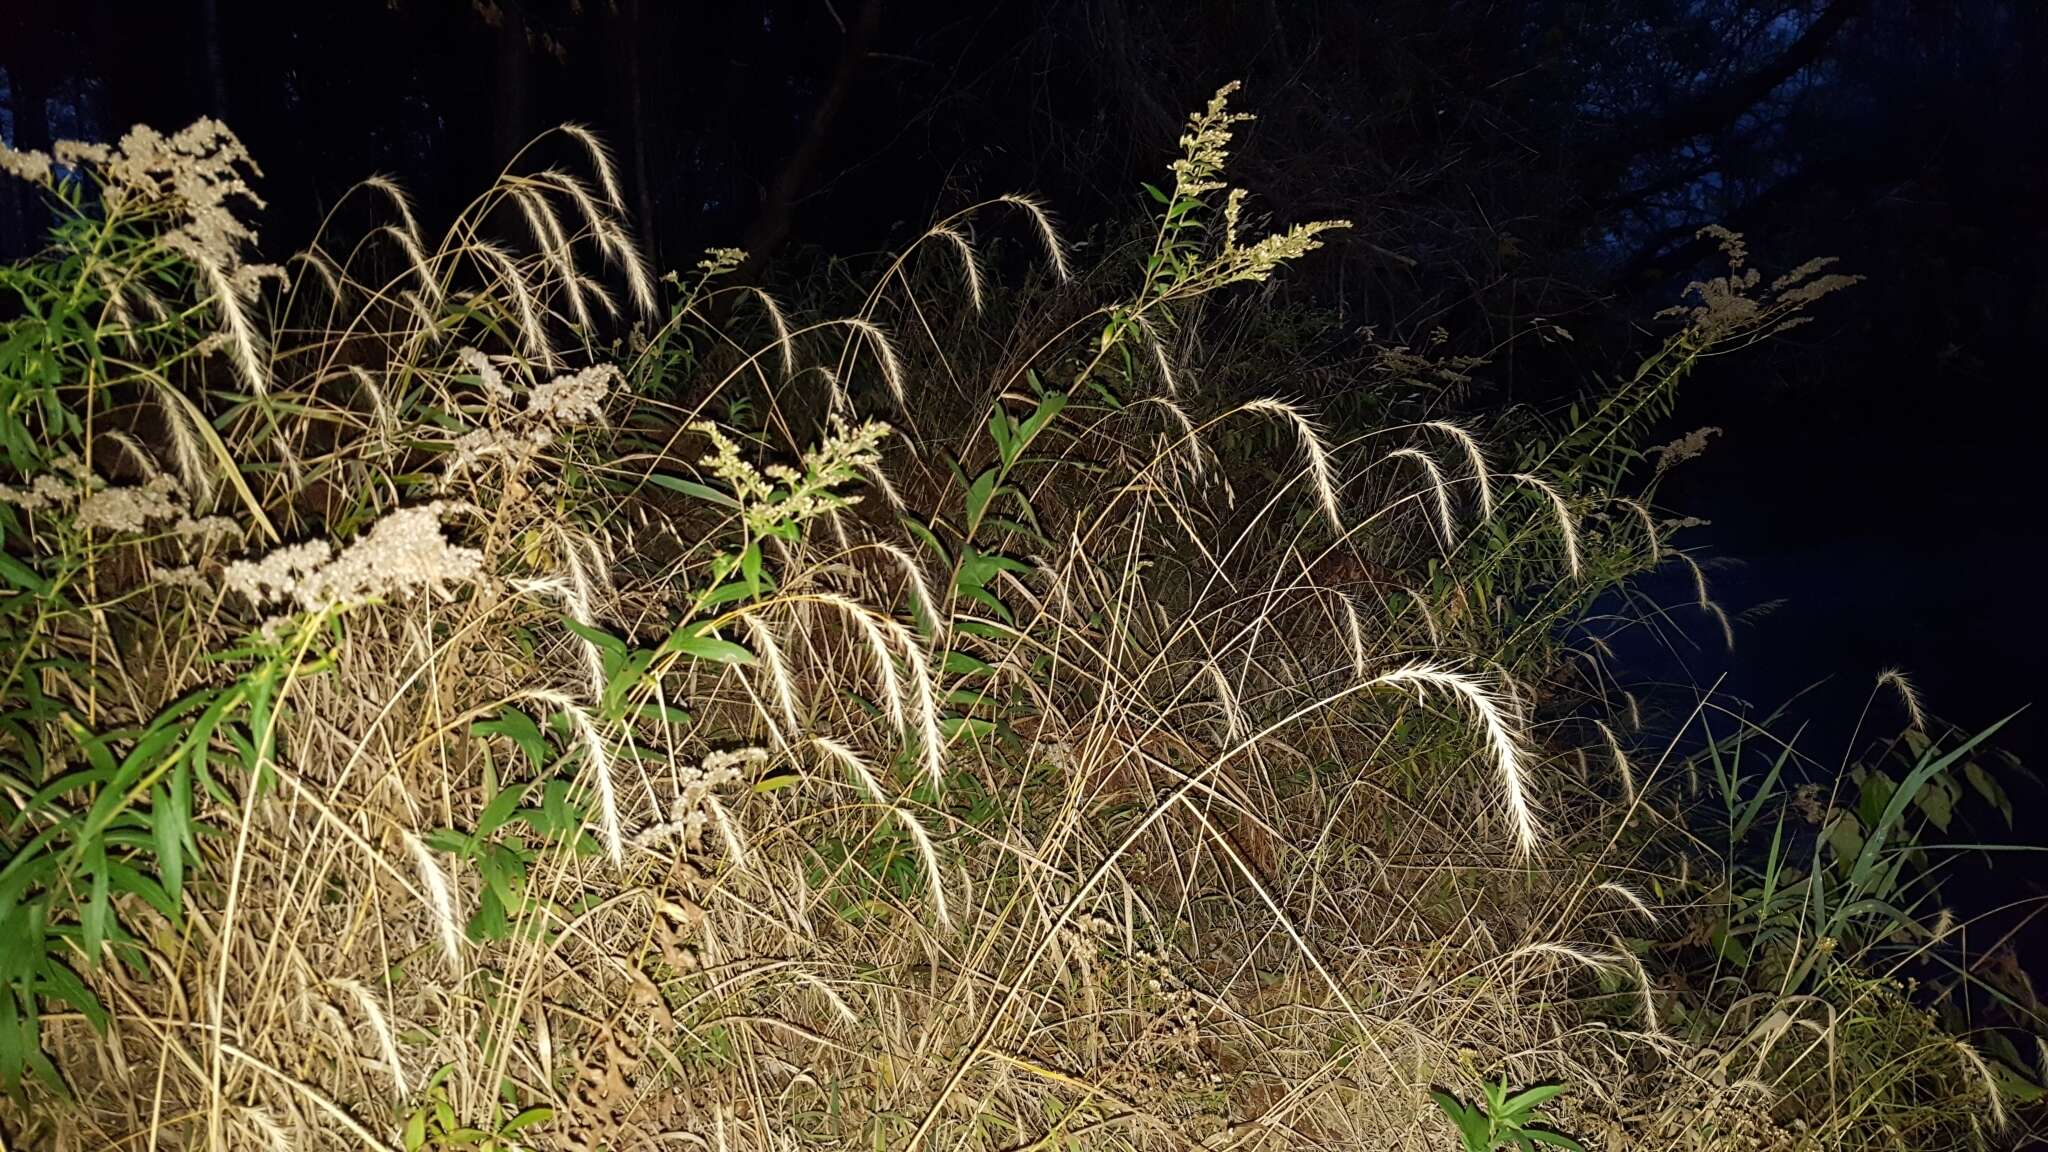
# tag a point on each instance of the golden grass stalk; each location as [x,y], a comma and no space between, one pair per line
[1621,764]
[440,898]
[1048,232]
[970,260]
[1567,526]
[1908,695]
[1475,458]
[1446,525]
[1496,715]
[1321,475]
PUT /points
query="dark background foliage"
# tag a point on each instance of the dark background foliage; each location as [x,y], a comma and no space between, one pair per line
[1504,159]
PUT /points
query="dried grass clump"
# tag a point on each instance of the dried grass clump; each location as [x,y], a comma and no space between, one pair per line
[567,768]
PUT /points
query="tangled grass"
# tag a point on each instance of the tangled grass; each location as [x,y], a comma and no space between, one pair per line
[972,721]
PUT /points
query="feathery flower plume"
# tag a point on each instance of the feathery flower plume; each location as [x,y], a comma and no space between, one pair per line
[1566,526]
[600,159]
[1048,232]
[1160,358]
[783,343]
[1908,695]
[1628,776]
[440,900]
[1628,896]
[1496,715]
[601,771]
[1354,630]
[778,669]
[885,352]
[1650,531]
[1320,472]
[854,764]
[970,261]
[933,877]
[380,1027]
[1445,523]
[1993,1095]
[1475,458]
[913,575]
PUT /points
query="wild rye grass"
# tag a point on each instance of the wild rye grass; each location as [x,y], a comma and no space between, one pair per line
[983,718]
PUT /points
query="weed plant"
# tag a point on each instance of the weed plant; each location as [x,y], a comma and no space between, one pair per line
[469,691]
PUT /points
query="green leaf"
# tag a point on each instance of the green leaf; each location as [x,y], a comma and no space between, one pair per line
[1526,1101]
[519,728]
[693,489]
[500,808]
[1989,789]
[1844,836]
[1937,800]
[167,826]
[1471,1124]
[15,1042]
[527,1119]
[95,915]
[1047,409]
[21,576]
[2014,1086]
[1154,193]
[60,985]
[1557,1139]
[707,648]
[926,537]
[978,494]
[955,726]
[1877,792]
[999,431]
[1915,780]
[962,664]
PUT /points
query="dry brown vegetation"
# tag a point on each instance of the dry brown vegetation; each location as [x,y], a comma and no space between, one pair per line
[980,720]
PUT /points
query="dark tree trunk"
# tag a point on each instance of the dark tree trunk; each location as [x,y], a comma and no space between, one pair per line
[777,216]
[213,60]
[629,33]
[510,124]
[29,80]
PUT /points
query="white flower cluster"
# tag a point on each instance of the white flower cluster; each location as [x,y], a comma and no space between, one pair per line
[403,553]
[577,398]
[1258,261]
[1206,145]
[52,489]
[479,444]
[31,166]
[1205,149]
[197,173]
[199,167]
[1726,307]
[564,402]
[689,814]
[129,509]
[95,506]
[780,494]
[487,374]
[719,261]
